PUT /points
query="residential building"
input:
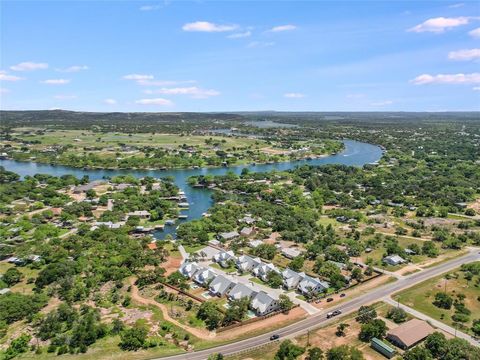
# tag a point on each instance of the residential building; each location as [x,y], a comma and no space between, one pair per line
[229,235]
[263,269]
[188,269]
[409,334]
[245,263]
[394,260]
[309,284]
[221,285]
[223,258]
[264,304]
[290,252]
[204,276]
[241,291]
[247,231]
[291,279]
[382,348]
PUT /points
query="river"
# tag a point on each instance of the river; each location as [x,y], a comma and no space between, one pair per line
[355,153]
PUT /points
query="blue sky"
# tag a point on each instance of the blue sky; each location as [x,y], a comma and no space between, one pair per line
[227,56]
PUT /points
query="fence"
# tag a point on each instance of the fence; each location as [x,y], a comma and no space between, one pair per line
[194,297]
[252,320]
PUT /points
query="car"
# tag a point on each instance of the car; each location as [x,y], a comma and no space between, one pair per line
[274,337]
[329,299]
[336,312]
[329,315]
[342,295]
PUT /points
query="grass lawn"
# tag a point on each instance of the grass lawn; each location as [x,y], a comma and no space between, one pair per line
[421,297]
[228,270]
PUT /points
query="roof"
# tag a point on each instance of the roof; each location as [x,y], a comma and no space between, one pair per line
[293,252]
[152,246]
[262,301]
[394,258]
[412,332]
[241,291]
[384,346]
[229,235]
[221,284]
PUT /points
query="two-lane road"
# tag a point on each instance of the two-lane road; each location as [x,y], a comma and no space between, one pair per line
[315,321]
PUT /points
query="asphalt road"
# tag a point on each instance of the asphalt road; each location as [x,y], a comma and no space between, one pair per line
[346,307]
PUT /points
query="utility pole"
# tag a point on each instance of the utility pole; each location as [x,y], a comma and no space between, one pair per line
[308,337]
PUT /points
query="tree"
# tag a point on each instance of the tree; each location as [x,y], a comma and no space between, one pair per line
[366,314]
[216,356]
[315,353]
[289,351]
[398,315]
[430,249]
[443,301]
[341,329]
[274,279]
[211,314]
[476,327]
[357,274]
[418,353]
[12,276]
[285,303]
[236,311]
[375,328]
[17,346]
[133,338]
[344,352]
[436,343]
[297,263]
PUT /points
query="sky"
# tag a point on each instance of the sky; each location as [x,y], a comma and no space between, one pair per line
[240,55]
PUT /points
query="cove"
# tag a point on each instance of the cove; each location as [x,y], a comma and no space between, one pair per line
[355,153]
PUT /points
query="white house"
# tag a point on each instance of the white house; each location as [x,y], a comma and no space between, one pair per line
[188,269]
[290,253]
[245,263]
[221,285]
[241,291]
[255,243]
[204,276]
[264,304]
[311,285]
[394,260]
[291,279]
[229,235]
[262,270]
[224,257]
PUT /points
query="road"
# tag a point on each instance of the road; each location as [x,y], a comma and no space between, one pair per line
[319,319]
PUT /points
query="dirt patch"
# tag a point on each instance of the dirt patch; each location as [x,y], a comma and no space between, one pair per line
[409,269]
[274,237]
[172,264]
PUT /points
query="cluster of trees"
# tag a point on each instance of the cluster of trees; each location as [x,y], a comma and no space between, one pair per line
[371,327]
[288,350]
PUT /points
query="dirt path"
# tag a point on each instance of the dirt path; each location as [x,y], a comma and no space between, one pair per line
[200,333]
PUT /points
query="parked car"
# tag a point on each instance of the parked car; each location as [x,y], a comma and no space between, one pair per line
[333,313]
[329,299]
[274,337]
[342,295]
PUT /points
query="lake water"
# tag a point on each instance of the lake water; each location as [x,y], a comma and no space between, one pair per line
[355,153]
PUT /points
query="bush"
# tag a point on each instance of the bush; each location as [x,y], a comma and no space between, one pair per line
[133,338]
[398,315]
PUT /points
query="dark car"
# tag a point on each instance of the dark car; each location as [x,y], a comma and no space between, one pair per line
[342,295]
[336,312]
[329,299]
[274,337]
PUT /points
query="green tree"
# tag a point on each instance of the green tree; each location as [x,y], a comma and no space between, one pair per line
[341,329]
[133,338]
[211,314]
[314,353]
[274,279]
[443,301]
[436,343]
[344,352]
[285,303]
[375,328]
[418,353]
[366,314]
[289,351]
[12,276]
[398,315]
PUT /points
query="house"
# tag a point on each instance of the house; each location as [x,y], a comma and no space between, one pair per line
[382,348]
[247,231]
[254,243]
[290,253]
[221,285]
[142,214]
[291,279]
[229,235]
[4,291]
[34,258]
[223,258]
[409,334]
[262,270]
[245,263]
[188,269]
[309,284]
[241,291]
[264,304]
[339,265]
[204,276]
[247,220]
[84,188]
[394,260]
[15,260]
[152,246]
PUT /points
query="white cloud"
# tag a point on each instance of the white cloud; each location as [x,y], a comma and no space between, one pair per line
[157,101]
[473,78]
[56,81]
[65,97]
[382,103]
[193,91]
[476,88]
[137,77]
[29,66]
[205,26]
[464,55]
[440,24]
[475,33]
[456,6]
[281,28]
[74,68]
[293,95]
[4,91]
[163,82]
[260,44]
[240,35]
[110,101]
[149,7]
[6,77]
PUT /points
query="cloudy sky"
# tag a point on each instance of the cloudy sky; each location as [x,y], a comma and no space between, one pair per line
[225,56]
